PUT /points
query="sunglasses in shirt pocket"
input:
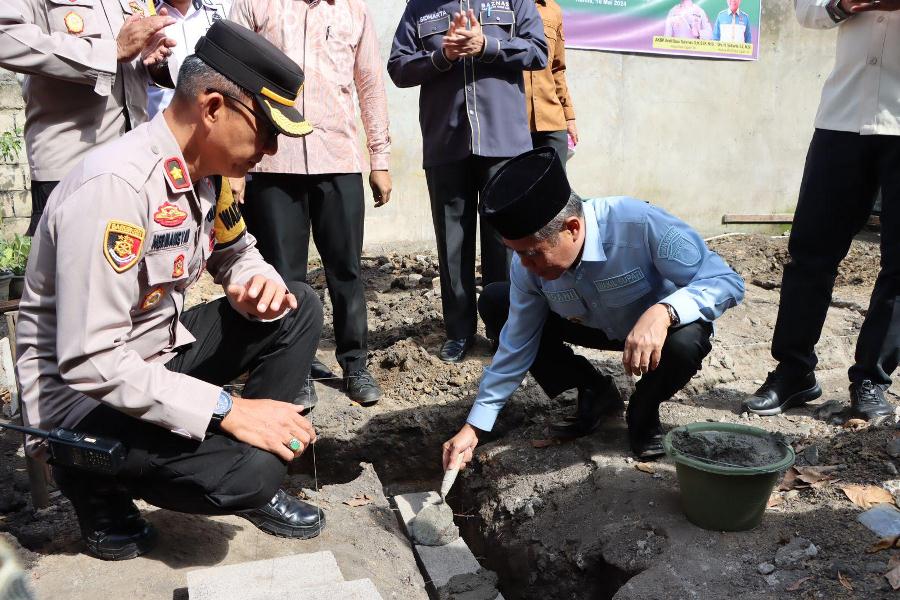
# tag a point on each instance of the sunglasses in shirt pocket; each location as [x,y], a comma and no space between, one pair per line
[498,23]
[432,31]
[74,17]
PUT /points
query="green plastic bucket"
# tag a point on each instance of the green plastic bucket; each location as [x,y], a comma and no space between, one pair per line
[725,498]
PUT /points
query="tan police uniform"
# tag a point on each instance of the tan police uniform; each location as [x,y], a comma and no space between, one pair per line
[76,93]
[124,236]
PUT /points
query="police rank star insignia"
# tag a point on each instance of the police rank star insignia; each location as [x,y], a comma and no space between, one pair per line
[122,244]
[152,298]
[175,171]
[178,266]
[74,22]
[169,215]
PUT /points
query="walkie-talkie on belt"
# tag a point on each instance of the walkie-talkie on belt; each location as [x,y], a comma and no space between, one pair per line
[80,450]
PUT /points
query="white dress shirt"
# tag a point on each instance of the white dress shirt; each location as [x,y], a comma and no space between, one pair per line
[201,14]
[862,94]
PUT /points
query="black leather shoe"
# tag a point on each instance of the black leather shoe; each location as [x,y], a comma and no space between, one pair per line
[111,525]
[594,404]
[781,392]
[286,516]
[867,401]
[319,370]
[361,387]
[454,351]
[647,444]
[307,397]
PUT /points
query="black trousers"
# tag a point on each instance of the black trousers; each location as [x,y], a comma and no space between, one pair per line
[842,176]
[454,189]
[558,140]
[281,209]
[557,368]
[40,192]
[219,475]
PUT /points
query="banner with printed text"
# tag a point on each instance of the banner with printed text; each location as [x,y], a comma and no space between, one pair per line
[711,28]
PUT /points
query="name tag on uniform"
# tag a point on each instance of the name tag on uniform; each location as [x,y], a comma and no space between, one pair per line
[604,285]
[561,296]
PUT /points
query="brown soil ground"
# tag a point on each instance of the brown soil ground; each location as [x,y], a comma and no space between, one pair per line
[576,520]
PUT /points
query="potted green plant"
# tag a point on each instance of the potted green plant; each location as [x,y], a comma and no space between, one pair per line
[13,258]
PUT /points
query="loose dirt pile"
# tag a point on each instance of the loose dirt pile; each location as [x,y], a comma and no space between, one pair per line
[728,449]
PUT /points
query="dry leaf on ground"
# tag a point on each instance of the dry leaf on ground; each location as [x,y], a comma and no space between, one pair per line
[884,544]
[844,581]
[855,424]
[544,443]
[359,500]
[893,577]
[789,481]
[802,477]
[775,499]
[796,585]
[645,467]
[867,496]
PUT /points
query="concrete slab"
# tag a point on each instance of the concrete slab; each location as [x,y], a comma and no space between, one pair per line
[361,589]
[440,562]
[264,579]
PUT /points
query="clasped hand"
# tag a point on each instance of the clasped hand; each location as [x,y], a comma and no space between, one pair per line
[464,38]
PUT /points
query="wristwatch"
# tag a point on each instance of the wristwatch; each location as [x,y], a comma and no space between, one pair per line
[223,407]
[836,11]
[673,314]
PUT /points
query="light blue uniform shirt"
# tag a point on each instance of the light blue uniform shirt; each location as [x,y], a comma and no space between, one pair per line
[635,255]
[737,25]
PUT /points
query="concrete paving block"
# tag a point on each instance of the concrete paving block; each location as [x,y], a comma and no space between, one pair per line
[440,562]
[361,589]
[265,579]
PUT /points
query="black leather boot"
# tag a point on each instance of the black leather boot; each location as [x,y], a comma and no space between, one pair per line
[867,401]
[111,525]
[594,404]
[782,391]
[286,516]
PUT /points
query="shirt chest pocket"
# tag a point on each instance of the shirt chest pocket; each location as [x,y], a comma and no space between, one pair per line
[567,304]
[81,18]
[623,289]
[432,31]
[168,267]
[499,23]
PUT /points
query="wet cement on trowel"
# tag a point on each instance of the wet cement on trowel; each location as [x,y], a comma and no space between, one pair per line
[434,526]
[727,448]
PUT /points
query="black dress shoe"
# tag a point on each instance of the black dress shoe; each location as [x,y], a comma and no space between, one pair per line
[111,525]
[781,392]
[361,387]
[319,370]
[647,444]
[454,351]
[307,397]
[867,401]
[286,516]
[594,404]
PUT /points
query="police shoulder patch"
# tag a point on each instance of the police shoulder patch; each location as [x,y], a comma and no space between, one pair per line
[229,223]
[677,246]
[122,243]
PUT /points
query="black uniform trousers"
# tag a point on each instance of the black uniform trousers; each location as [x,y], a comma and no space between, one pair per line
[557,368]
[40,193]
[842,176]
[558,140]
[454,189]
[219,475]
[280,210]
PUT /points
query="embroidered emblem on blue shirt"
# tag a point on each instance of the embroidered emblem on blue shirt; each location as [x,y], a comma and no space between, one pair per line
[604,285]
[569,295]
[676,246]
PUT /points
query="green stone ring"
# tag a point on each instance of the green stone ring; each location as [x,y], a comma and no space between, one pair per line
[295,445]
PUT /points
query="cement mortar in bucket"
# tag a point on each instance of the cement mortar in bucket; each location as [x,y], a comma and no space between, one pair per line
[721,494]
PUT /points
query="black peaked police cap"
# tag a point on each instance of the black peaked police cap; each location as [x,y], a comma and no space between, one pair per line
[252,62]
[525,194]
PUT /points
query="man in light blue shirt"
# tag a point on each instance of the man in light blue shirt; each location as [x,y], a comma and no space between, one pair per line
[610,273]
[732,24]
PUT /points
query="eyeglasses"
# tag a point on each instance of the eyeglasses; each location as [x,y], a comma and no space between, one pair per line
[261,118]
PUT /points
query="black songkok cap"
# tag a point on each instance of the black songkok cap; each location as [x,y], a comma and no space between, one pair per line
[525,194]
[255,64]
